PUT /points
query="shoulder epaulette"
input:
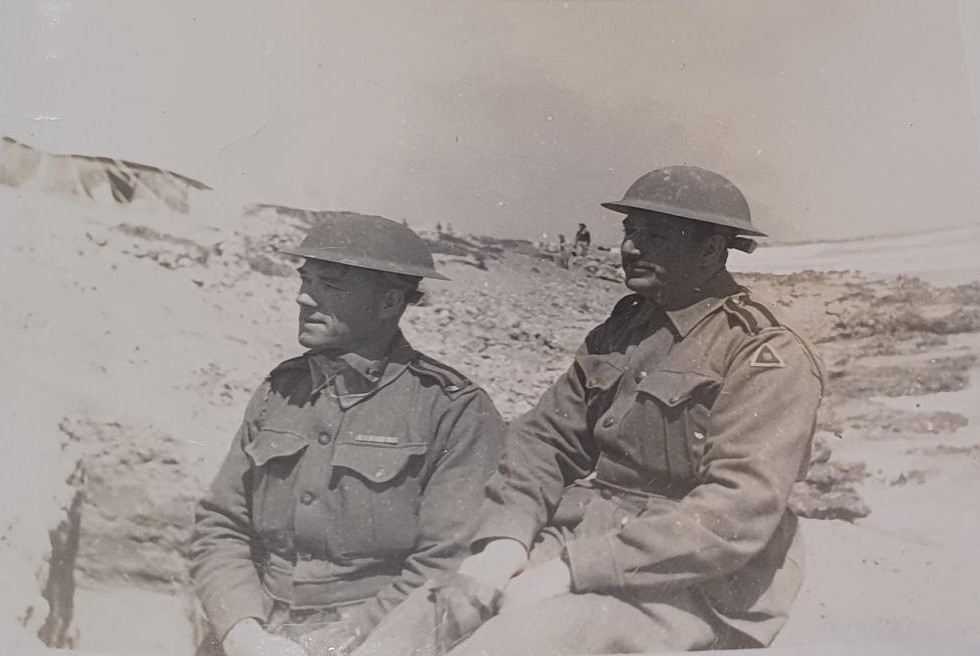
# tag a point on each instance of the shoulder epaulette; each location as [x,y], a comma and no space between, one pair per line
[755,316]
[450,380]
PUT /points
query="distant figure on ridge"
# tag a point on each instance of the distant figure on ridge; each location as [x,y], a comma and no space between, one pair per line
[582,241]
[564,252]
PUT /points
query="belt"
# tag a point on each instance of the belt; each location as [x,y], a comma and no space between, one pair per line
[673,491]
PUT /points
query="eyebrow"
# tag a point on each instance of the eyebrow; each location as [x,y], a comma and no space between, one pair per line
[637,225]
[305,271]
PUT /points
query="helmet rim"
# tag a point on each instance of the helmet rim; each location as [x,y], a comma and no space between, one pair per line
[368,242]
[689,192]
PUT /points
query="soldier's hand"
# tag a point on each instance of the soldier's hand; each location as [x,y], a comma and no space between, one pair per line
[247,638]
[547,580]
[499,561]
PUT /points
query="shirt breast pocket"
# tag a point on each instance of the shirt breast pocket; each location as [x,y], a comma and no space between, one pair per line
[379,487]
[684,399]
[601,375]
[275,456]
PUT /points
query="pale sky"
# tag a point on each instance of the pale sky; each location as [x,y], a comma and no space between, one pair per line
[835,117]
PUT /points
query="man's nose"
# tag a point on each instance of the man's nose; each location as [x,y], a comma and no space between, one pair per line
[628,247]
[305,300]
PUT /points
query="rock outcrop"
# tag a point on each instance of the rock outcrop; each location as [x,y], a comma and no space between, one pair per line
[40,527]
[85,176]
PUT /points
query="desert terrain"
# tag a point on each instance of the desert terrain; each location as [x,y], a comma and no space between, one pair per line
[134,335]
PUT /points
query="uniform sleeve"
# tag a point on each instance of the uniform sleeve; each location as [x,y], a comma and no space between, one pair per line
[546,449]
[470,434]
[758,439]
[222,570]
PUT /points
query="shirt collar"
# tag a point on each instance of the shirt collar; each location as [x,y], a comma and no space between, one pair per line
[355,377]
[704,301]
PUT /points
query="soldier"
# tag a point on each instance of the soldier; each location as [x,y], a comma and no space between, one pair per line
[564,254]
[583,238]
[642,505]
[358,467]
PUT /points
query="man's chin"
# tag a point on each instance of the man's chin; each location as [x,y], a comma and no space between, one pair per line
[311,341]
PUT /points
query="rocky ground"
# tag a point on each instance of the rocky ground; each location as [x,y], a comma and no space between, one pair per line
[139,334]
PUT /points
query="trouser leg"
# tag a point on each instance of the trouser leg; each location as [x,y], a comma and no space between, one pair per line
[209,646]
[433,619]
[406,631]
[594,624]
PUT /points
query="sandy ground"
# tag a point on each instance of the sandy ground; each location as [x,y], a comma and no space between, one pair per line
[142,333]
[909,570]
[943,257]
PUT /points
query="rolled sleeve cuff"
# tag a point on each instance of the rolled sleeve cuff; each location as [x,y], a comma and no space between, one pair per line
[225,611]
[507,524]
[593,565]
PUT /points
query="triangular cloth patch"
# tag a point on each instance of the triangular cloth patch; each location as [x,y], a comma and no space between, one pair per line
[766,356]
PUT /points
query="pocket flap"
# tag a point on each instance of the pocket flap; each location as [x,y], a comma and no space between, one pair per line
[269,444]
[672,388]
[600,372]
[376,462]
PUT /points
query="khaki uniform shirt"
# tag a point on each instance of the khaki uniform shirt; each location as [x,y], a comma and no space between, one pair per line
[689,428]
[348,484]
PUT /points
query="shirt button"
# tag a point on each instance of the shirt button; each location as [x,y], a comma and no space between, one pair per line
[640,375]
[323,438]
[623,522]
[608,421]
[306,498]
[605,493]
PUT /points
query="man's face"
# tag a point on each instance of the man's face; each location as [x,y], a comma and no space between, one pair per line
[340,307]
[661,257]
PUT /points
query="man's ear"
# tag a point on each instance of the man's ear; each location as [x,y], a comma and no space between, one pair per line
[392,304]
[713,248]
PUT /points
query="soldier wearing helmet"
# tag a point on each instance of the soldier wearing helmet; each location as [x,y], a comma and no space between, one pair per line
[642,504]
[358,465]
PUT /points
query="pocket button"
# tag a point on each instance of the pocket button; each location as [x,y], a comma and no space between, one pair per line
[306,498]
[324,438]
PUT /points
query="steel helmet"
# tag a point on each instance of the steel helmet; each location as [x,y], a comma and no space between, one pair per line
[369,242]
[692,193]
